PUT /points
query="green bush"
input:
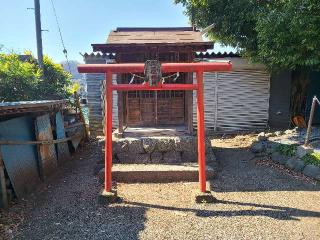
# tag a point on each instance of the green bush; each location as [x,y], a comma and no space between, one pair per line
[22,80]
[287,150]
[312,158]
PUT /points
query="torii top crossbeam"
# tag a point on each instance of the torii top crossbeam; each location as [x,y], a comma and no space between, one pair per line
[198,68]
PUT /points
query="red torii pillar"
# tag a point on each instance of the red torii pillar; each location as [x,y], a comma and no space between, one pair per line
[199,68]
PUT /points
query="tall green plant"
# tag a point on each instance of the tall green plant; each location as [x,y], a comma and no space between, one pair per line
[24,80]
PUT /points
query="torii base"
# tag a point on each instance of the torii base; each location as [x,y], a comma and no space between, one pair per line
[106,198]
[205,197]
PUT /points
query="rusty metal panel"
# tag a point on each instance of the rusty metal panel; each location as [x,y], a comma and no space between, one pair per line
[47,152]
[20,160]
[62,148]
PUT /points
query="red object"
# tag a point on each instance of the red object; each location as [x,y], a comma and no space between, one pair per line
[199,68]
[165,67]
[131,87]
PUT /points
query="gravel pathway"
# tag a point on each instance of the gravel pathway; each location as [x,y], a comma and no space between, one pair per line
[254,202]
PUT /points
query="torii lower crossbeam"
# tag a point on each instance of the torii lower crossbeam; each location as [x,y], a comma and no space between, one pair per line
[198,68]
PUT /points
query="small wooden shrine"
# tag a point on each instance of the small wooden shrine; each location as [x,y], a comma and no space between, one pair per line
[172,108]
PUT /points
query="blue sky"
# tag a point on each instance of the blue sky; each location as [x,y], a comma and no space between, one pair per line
[82,22]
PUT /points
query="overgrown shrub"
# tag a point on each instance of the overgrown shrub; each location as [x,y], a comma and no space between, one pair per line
[312,158]
[22,80]
[287,150]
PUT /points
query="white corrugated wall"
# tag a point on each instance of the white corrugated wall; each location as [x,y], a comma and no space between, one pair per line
[236,100]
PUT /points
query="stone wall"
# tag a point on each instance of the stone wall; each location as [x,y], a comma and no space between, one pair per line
[158,150]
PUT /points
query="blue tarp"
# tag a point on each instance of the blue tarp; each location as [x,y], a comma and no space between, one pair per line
[20,160]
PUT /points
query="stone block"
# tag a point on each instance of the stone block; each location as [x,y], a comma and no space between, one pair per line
[165,144]
[120,145]
[135,145]
[303,150]
[279,158]
[295,164]
[189,157]
[149,144]
[129,157]
[184,144]
[156,157]
[172,157]
[312,171]
[258,147]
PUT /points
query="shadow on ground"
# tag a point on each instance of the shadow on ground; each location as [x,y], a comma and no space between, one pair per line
[276,212]
[238,172]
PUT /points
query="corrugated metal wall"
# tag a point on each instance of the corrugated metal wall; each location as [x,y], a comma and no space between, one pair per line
[95,103]
[237,100]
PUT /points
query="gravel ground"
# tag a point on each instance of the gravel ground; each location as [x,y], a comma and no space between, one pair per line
[254,201]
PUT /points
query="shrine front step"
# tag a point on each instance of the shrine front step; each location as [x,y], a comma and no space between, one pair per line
[156,173]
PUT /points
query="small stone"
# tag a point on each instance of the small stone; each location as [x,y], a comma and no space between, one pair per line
[312,171]
[269,135]
[258,147]
[303,150]
[277,133]
[289,131]
[279,158]
[295,164]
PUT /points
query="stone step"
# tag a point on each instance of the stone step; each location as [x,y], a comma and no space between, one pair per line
[156,173]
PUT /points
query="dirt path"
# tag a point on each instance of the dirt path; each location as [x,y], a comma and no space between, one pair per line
[254,202]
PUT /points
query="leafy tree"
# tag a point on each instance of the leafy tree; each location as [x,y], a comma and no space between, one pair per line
[23,80]
[18,80]
[282,34]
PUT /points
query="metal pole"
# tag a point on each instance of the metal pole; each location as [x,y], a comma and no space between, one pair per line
[38,32]
[314,100]
[201,134]
[108,133]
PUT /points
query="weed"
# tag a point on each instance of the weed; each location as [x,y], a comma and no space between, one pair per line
[312,158]
[287,150]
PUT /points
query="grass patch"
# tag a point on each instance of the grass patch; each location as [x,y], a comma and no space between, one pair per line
[287,150]
[312,158]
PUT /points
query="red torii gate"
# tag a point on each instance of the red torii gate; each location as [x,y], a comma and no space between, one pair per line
[199,68]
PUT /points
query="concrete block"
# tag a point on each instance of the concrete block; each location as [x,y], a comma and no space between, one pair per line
[303,150]
[156,173]
[295,164]
[205,197]
[312,171]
